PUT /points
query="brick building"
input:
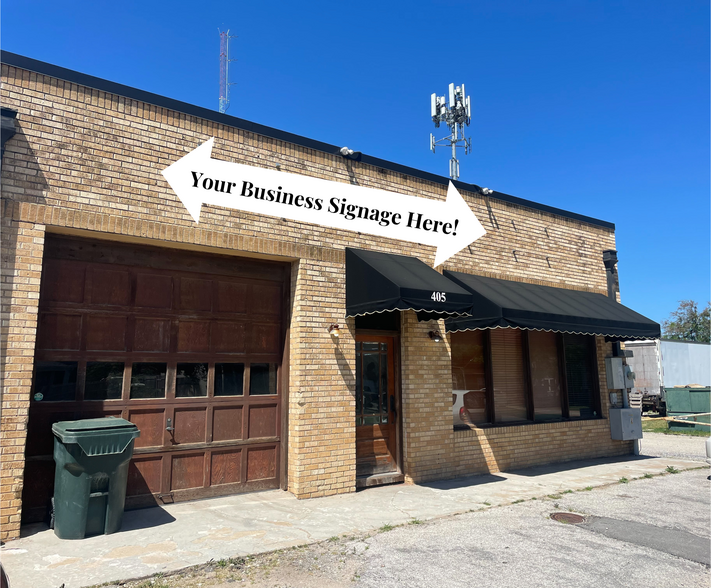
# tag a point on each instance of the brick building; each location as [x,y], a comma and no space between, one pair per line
[218,338]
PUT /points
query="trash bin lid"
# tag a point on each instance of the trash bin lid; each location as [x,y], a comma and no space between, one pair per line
[102,436]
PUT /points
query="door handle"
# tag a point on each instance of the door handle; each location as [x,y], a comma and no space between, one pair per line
[392,406]
[168,426]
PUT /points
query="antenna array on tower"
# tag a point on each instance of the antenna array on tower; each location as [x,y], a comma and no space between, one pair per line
[455,113]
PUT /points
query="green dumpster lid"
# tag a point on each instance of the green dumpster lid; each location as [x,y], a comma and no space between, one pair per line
[102,436]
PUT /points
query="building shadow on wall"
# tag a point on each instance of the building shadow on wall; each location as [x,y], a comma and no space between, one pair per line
[22,181]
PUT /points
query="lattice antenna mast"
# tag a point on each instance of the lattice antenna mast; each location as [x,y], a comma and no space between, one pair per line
[455,114]
[225,69]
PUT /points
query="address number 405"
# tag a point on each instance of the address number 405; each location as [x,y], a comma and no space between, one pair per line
[439,296]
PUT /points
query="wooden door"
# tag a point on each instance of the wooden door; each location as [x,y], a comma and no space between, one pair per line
[376,406]
[187,346]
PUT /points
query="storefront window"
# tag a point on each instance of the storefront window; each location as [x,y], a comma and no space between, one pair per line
[190,380]
[229,379]
[525,377]
[262,379]
[468,378]
[148,380]
[578,374]
[508,375]
[55,380]
[545,376]
[104,380]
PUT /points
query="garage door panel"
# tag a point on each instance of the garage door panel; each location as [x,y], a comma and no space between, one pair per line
[40,439]
[227,423]
[266,338]
[265,299]
[226,467]
[63,281]
[190,425]
[152,335]
[187,471]
[195,294]
[110,287]
[151,424]
[193,336]
[106,333]
[144,475]
[231,297]
[261,463]
[154,291]
[263,421]
[59,331]
[228,337]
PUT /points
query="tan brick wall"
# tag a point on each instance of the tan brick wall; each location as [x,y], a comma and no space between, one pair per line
[87,162]
[22,247]
[321,385]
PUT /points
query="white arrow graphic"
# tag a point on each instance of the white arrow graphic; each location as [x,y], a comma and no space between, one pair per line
[198,179]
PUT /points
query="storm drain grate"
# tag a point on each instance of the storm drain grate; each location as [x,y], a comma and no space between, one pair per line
[568,518]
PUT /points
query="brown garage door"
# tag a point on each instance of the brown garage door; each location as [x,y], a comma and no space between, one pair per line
[187,346]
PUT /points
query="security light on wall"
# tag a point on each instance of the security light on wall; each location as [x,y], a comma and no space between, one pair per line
[334,330]
[436,336]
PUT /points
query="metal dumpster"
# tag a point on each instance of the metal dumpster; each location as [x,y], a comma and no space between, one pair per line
[692,405]
[92,457]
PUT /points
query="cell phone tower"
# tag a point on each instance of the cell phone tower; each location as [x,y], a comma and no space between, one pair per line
[225,69]
[455,114]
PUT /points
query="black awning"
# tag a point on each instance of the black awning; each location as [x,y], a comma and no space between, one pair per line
[381,282]
[502,303]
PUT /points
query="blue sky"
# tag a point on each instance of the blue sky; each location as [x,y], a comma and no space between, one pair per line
[599,107]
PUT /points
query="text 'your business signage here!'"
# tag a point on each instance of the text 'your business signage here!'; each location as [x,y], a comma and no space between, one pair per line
[198,179]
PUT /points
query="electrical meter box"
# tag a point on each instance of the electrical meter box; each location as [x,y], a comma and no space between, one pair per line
[615,373]
[625,424]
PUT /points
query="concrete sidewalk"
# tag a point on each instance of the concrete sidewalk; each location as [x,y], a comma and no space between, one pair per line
[168,538]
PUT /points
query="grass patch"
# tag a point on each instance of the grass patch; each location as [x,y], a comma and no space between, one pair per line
[386,527]
[648,475]
[650,425]
[623,480]
[672,470]
[414,522]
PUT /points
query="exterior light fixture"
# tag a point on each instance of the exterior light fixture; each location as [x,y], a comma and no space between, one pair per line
[334,331]
[348,153]
[436,336]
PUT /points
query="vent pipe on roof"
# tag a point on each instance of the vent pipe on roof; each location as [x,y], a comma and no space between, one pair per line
[609,258]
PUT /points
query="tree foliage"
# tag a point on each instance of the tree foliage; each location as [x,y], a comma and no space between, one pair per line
[686,323]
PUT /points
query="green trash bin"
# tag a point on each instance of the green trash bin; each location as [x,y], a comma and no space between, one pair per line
[91,458]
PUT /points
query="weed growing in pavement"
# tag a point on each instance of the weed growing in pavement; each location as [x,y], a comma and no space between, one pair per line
[386,527]
[554,496]
[414,522]
[648,475]
[487,503]
[567,492]
[586,489]
[623,480]
[518,501]
[672,470]
[334,538]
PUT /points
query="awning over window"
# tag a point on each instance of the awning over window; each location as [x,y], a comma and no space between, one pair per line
[502,303]
[379,282]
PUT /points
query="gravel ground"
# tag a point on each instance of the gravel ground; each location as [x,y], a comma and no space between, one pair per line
[677,446]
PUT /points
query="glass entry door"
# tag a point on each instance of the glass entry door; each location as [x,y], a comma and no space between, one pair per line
[376,406]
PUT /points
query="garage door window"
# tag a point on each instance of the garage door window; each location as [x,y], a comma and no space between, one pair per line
[148,380]
[191,380]
[104,380]
[263,379]
[55,380]
[229,379]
